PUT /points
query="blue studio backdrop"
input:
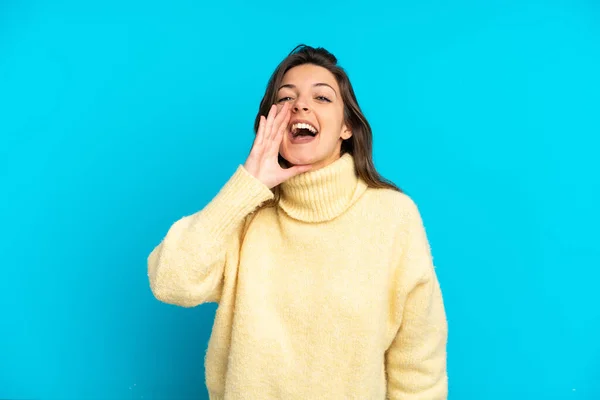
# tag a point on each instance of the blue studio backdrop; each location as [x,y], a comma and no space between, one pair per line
[119,117]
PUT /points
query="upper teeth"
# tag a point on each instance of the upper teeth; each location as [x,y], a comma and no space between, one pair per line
[297,126]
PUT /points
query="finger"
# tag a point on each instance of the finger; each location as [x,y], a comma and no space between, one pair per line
[269,123]
[283,127]
[279,119]
[260,133]
[281,115]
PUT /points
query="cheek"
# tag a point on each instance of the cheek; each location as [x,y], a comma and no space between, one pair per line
[333,130]
[284,147]
[333,119]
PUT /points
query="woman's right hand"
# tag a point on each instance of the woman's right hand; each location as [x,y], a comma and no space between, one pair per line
[263,161]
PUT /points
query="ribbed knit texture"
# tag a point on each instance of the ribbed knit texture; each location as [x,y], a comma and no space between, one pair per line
[323,194]
[331,294]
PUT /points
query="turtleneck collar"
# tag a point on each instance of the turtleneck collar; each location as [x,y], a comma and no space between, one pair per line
[323,194]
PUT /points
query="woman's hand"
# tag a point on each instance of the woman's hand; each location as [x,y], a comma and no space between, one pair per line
[263,162]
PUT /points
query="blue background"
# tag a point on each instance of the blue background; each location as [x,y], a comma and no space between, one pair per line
[119,117]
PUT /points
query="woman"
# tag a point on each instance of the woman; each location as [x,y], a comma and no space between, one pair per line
[322,270]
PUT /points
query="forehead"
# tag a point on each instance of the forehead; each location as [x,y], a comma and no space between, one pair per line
[308,74]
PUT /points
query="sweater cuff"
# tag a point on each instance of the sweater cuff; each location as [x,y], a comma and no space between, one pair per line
[239,197]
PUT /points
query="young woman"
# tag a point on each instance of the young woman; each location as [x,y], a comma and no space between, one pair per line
[322,270]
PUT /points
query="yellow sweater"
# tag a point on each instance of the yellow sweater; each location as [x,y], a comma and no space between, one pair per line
[332,294]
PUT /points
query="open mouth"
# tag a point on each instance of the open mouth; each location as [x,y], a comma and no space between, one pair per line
[302,129]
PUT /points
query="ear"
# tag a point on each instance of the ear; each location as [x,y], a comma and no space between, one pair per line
[346,132]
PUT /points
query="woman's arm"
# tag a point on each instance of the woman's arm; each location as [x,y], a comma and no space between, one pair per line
[416,359]
[186,268]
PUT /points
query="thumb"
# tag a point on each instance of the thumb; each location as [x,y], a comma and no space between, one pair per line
[297,170]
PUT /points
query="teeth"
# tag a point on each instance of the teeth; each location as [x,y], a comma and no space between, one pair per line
[297,126]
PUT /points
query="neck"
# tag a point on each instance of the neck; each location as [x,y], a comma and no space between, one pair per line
[322,194]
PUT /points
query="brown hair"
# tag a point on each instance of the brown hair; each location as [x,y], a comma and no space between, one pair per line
[360,144]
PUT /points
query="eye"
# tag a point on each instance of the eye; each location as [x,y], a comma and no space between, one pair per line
[284,99]
[323,98]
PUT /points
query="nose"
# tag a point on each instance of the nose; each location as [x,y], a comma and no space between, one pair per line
[300,105]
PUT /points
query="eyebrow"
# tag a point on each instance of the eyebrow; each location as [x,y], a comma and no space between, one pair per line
[290,86]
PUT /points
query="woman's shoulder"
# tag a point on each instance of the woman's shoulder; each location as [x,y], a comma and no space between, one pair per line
[394,210]
[392,201]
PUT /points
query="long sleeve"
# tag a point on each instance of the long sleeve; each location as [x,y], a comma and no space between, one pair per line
[186,268]
[416,360]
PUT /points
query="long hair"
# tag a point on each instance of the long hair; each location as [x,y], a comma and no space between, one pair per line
[360,144]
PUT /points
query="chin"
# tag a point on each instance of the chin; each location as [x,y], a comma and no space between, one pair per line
[299,157]
[308,155]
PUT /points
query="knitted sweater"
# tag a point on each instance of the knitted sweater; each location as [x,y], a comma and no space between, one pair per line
[330,294]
